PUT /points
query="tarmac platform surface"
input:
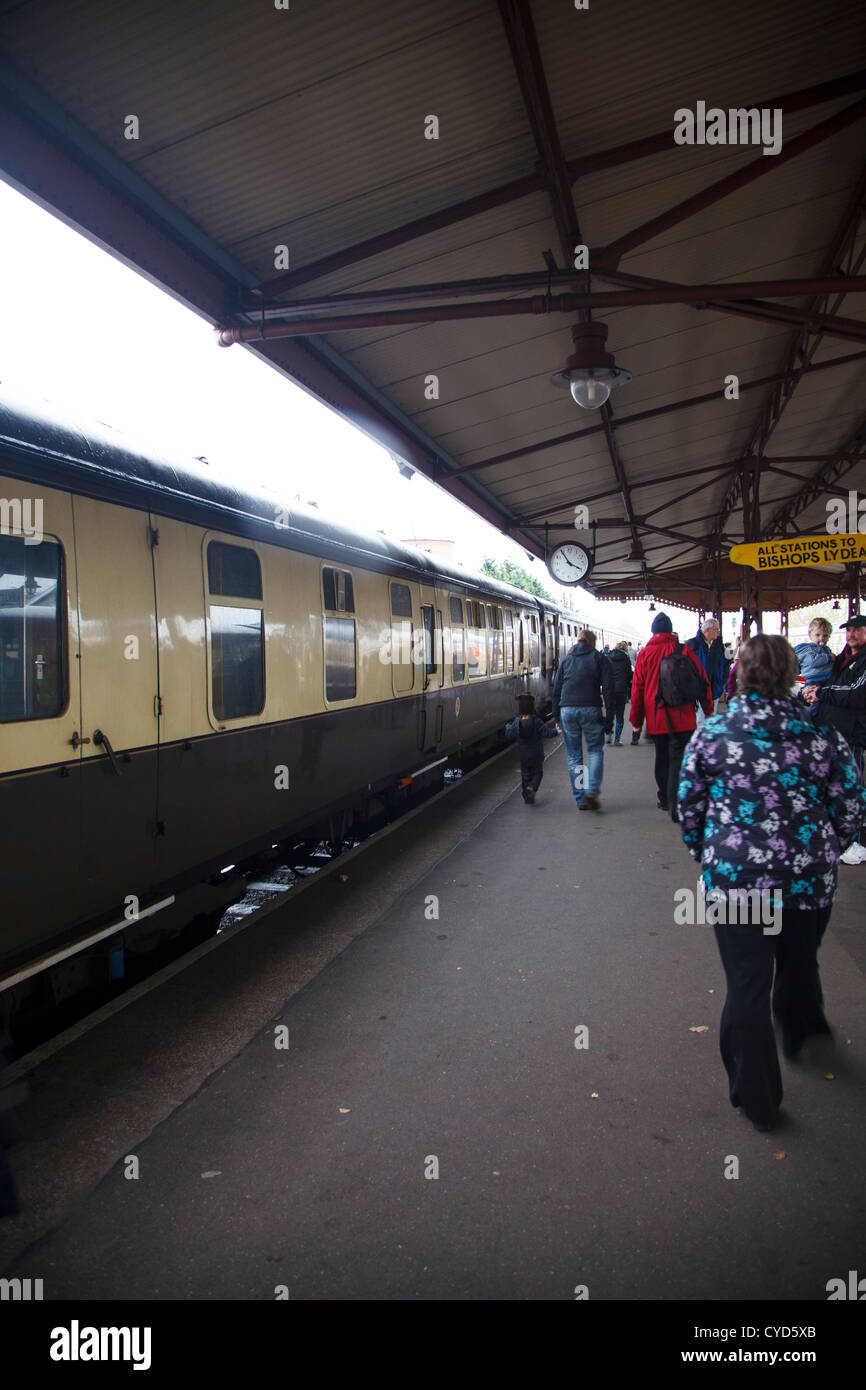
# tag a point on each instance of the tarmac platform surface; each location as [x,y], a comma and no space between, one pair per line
[432,986]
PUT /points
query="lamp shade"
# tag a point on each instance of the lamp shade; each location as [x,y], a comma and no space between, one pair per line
[590,372]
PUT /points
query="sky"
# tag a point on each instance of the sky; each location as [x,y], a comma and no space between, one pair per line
[80,328]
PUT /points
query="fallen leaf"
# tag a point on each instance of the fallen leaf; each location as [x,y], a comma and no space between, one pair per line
[213,1173]
[344,878]
[711,991]
[780,1154]
[345,1110]
[829,1076]
[700,1028]
[594,1095]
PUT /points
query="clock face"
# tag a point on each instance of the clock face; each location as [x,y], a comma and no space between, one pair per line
[569,563]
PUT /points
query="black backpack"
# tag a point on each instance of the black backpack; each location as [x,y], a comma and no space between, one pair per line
[681,681]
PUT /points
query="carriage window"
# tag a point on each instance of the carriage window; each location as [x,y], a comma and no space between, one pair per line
[237,657]
[497,641]
[429,631]
[401,601]
[338,591]
[341,675]
[549,642]
[340,671]
[458,654]
[509,639]
[458,641]
[476,639]
[237,631]
[233,571]
[32,630]
[534,650]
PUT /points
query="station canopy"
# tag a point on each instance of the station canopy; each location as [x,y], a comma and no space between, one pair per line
[387,200]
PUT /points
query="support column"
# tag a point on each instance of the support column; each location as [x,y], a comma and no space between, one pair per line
[746,494]
[855,589]
[756,596]
[751,533]
[718,595]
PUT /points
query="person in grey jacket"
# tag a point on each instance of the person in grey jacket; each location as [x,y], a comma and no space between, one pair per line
[583,683]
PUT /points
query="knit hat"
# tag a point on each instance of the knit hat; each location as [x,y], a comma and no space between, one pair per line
[662,623]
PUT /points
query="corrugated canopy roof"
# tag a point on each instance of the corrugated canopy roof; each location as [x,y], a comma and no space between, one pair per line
[306,128]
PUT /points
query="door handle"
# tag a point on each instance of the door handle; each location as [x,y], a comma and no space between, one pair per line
[77,740]
[102,741]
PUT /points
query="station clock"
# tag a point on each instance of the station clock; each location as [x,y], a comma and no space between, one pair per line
[569,563]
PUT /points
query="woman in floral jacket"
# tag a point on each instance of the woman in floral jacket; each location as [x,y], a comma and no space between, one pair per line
[767,804]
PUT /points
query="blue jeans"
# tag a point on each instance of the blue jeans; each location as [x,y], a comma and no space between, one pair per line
[581,722]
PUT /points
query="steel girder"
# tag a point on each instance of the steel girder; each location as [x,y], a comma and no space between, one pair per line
[798,359]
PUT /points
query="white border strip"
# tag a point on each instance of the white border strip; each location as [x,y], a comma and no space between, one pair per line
[6,981]
[438,763]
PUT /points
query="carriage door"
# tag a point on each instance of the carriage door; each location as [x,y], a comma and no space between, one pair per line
[549,657]
[523,646]
[402,639]
[119,703]
[432,713]
[40,715]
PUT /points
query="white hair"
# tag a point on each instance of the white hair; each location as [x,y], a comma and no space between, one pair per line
[710,622]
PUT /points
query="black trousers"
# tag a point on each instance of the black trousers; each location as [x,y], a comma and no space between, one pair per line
[669,756]
[764,973]
[531,773]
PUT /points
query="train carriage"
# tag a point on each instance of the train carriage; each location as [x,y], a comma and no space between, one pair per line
[190,673]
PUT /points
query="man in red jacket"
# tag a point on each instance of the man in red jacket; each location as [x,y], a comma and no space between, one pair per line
[670,739]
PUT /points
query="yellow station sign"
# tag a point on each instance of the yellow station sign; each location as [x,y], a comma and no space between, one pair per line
[795,551]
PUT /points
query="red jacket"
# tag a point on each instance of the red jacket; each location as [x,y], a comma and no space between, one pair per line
[645,684]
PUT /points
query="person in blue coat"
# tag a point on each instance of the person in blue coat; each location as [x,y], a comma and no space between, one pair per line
[814,657]
[709,648]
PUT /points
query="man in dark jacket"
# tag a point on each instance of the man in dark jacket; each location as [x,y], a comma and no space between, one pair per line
[841,704]
[621,667]
[583,681]
[709,648]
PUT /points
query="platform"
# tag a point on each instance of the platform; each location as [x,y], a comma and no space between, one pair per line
[414,1037]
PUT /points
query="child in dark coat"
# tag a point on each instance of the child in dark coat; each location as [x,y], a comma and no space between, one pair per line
[529,732]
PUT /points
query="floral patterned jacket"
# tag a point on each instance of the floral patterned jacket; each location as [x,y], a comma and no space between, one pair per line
[768,801]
